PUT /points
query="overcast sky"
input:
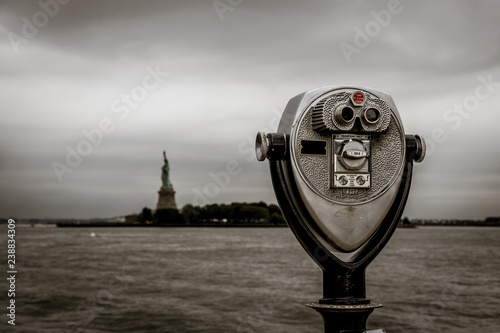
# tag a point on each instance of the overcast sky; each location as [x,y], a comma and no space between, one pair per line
[220,75]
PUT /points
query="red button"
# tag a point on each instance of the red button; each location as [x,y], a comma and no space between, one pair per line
[358,98]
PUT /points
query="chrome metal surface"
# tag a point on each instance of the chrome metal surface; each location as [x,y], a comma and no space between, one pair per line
[261,146]
[272,146]
[421,149]
[348,207]
[328,112]
[343,307]
[387,152]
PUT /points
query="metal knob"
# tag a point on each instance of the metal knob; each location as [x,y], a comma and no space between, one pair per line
[353,154]
[271,146]
[421,149]
[416,145]
[261,146]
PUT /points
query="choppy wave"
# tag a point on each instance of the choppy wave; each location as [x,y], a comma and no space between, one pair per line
[244,280]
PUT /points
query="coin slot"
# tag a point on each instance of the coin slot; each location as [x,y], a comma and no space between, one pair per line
[312,147]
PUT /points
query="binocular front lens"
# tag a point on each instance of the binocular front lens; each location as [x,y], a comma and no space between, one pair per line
[372,115]
[344,114]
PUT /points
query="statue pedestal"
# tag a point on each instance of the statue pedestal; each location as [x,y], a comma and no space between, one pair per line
[166,199]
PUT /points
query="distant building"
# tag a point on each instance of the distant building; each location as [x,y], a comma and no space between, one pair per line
[131,218]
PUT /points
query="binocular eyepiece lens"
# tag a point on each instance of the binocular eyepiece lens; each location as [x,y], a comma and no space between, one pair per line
[344,114]
[347,114]
[372,115]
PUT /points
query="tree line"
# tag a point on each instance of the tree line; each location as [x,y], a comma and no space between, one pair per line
[233,213]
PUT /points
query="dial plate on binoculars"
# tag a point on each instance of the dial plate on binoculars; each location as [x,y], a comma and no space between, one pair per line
[348,152]
[351,154]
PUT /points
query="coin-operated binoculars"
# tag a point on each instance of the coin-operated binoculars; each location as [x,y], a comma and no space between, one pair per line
[341,168]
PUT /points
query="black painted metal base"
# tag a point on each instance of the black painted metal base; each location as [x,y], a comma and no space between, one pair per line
[344,318]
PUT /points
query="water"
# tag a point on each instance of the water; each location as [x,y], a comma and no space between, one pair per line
[243,280]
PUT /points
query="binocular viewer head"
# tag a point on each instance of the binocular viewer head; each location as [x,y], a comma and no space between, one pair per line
[341,167]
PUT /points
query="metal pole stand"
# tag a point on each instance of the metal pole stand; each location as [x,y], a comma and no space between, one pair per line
[344,306]
[345,318]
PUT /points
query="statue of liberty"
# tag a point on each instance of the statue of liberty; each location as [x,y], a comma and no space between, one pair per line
[165,171]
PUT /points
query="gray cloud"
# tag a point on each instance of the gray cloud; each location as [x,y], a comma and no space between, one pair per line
[226,81]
